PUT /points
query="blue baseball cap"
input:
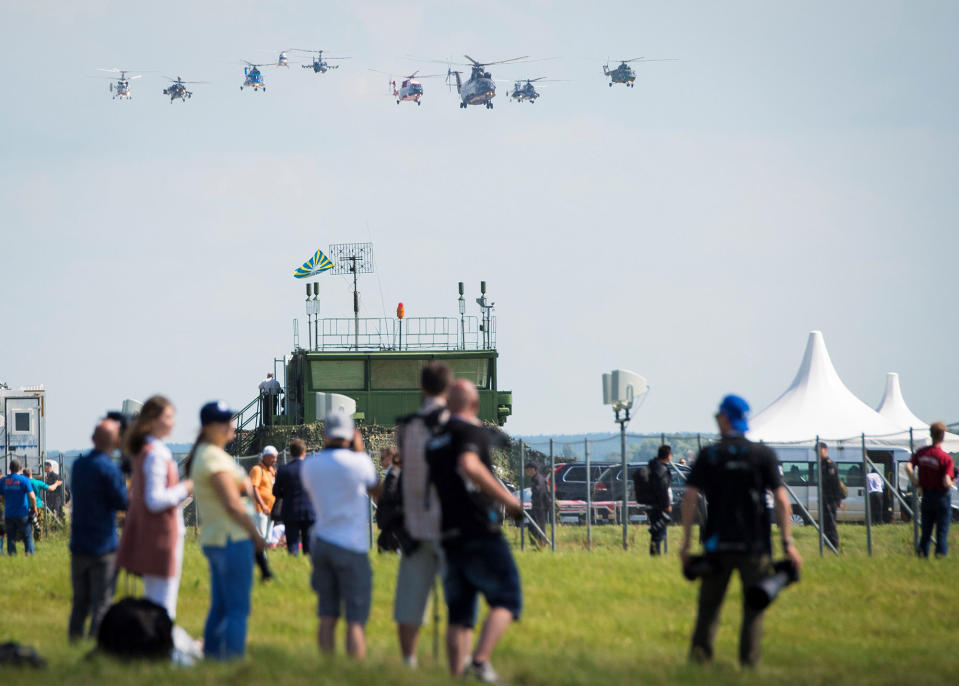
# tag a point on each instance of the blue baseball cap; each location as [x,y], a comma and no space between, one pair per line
[215,411]
[736,410]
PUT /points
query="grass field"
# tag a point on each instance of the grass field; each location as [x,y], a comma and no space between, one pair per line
[591,617]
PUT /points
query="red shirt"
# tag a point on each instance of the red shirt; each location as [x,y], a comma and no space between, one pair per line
[934,464]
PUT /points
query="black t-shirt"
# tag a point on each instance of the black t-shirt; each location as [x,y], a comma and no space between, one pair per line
[660,480]
[54,499]
[734,475]
[466,511]
[832,491]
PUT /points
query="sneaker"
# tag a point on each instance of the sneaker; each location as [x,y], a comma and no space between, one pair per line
[484,673]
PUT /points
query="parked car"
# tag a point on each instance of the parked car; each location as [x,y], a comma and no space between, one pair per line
[571,479]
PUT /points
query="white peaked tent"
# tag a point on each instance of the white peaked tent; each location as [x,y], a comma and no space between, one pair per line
[893,406]
[817,403]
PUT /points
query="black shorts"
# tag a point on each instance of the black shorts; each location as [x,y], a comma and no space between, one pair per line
[482,565]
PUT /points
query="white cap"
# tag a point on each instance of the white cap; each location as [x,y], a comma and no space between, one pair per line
[269,450]
[51,463]
[338,424]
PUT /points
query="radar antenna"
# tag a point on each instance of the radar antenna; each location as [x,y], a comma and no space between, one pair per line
[355,259]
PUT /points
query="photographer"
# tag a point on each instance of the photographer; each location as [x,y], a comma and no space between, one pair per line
[660,481]
[734,475]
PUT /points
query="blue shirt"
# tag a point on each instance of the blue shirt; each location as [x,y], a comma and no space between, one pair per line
[15,488]
[98,492]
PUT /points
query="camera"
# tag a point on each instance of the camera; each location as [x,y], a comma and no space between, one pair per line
[761,594]
[700,566]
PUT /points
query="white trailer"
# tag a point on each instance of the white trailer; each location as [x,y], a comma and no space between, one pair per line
[23,427]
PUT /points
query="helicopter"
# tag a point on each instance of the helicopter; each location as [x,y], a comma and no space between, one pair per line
[121,89]
[318,64]
[253,77]
[480,89]
[624,73]
[283,60]
[409,90]
[523,90]
[177,89]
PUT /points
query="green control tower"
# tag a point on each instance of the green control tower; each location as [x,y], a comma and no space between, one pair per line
[377,362]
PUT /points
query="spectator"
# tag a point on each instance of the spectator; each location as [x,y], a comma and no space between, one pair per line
[540,502]
[832,495]
[270,390]
[339,480]
[153,532]
[734,475]
[228,536]
[389,513]
[296,512]
[263,476]
[99,492]
[421,561]
[661,505]
[39,487]
[874,487]
[56,498]
[20,503]
[936,475]
[478,558]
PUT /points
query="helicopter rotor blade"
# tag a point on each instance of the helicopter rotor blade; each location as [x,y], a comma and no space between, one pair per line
[488,64]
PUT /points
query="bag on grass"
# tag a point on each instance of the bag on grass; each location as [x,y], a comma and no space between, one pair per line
[16,655]
[136,628]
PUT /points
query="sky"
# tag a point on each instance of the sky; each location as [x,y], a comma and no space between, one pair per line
[795,169]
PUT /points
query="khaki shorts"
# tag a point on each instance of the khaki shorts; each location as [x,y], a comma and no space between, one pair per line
[414,581]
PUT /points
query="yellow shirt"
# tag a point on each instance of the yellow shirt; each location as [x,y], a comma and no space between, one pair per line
[216,524]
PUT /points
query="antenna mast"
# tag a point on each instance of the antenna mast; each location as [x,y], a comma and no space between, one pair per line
[353,259]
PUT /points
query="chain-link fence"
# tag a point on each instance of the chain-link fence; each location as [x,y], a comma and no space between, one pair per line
[590,483]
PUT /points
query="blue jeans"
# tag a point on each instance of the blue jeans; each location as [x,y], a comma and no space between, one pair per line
[231,581]
[19,527]
[936,510]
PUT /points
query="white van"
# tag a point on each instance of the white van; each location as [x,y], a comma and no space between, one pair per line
[799,465]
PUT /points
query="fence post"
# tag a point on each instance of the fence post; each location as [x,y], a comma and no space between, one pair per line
[624,513]
[522,497]
[369,519]
[865,488]
[552,498]
[819,503]
[915,500]
[589,498]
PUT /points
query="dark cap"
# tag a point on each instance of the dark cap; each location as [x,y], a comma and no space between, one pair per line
[736,411]
[214,412]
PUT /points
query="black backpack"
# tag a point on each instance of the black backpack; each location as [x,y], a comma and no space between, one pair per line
[642,486]
[136,628]
[389,518]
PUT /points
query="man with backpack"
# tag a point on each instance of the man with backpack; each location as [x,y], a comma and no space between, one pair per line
[658,495]
[734,474]
[421,559]
[478,559]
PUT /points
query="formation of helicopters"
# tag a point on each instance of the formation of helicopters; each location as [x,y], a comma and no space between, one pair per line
[478,89]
